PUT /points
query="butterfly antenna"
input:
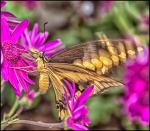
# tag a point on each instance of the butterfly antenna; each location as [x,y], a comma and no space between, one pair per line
[44,36]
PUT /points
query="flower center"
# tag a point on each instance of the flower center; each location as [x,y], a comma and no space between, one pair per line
[11,54]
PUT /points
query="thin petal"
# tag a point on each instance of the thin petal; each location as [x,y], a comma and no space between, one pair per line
[78,112]
[67,99]
[34,31]
[70,123]
[41,40]
[29,61]
[27,38]
[4,75]
[49,53]
[29,69]
[19,30]
[50,45]
[70,88]
[2,57]
[21,81]
[5,33]
[8,14]
[13,22]
[4,70]
[86,119]
[3,3]
[13,80]
[35,41]
[81,99]
[25,76]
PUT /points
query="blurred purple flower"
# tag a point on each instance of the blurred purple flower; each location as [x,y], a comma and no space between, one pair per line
[78,118]
[12,60]
[5,14]
[30,4]
[36,42]
[144,22]
[104,6]
[136,99]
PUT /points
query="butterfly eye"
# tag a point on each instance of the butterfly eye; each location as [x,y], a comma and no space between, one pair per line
[41,55]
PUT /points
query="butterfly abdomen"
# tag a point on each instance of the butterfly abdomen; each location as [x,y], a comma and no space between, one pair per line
[43,82]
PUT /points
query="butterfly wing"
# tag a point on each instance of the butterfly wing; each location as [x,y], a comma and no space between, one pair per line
[102,56]
[82,77]
[59,94]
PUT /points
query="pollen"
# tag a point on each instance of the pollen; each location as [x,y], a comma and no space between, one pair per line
[10,51]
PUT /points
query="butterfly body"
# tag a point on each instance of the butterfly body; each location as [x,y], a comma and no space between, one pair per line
[44,80]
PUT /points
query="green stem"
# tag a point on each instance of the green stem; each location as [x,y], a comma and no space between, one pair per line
[14,108]
[37,94]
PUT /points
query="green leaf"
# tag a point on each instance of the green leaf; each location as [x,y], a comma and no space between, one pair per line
[19,10]
[9,94]
[100,109]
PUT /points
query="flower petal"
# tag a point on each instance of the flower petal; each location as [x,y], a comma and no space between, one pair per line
[19,30]
[78,112]
[86,119]
[4,75]
[70,122]
[50,45]
[49,53]
[34,31]
[21,81]
[27,38]
[2,57]
[145,114]
[25,76]
[3,3]
[4,70]
[13,80]
[40,42]
[67,99]
[5,33]
[8,14]
[80,100]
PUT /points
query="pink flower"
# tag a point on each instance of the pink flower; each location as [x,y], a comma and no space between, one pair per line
[30,4]
[104,6]
[136,99]
[78,118]
[35,41]
[13,61]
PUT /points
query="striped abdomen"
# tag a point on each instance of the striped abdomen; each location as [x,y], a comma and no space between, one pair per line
[43,82]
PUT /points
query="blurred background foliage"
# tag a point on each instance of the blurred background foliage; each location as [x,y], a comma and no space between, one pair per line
[76,22]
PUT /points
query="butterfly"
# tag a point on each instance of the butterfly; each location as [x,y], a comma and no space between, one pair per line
[89,63]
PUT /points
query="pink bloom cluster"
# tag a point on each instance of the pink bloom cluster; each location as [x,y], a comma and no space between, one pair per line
[136,99]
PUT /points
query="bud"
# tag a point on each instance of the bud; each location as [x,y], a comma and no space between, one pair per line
[27,100]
